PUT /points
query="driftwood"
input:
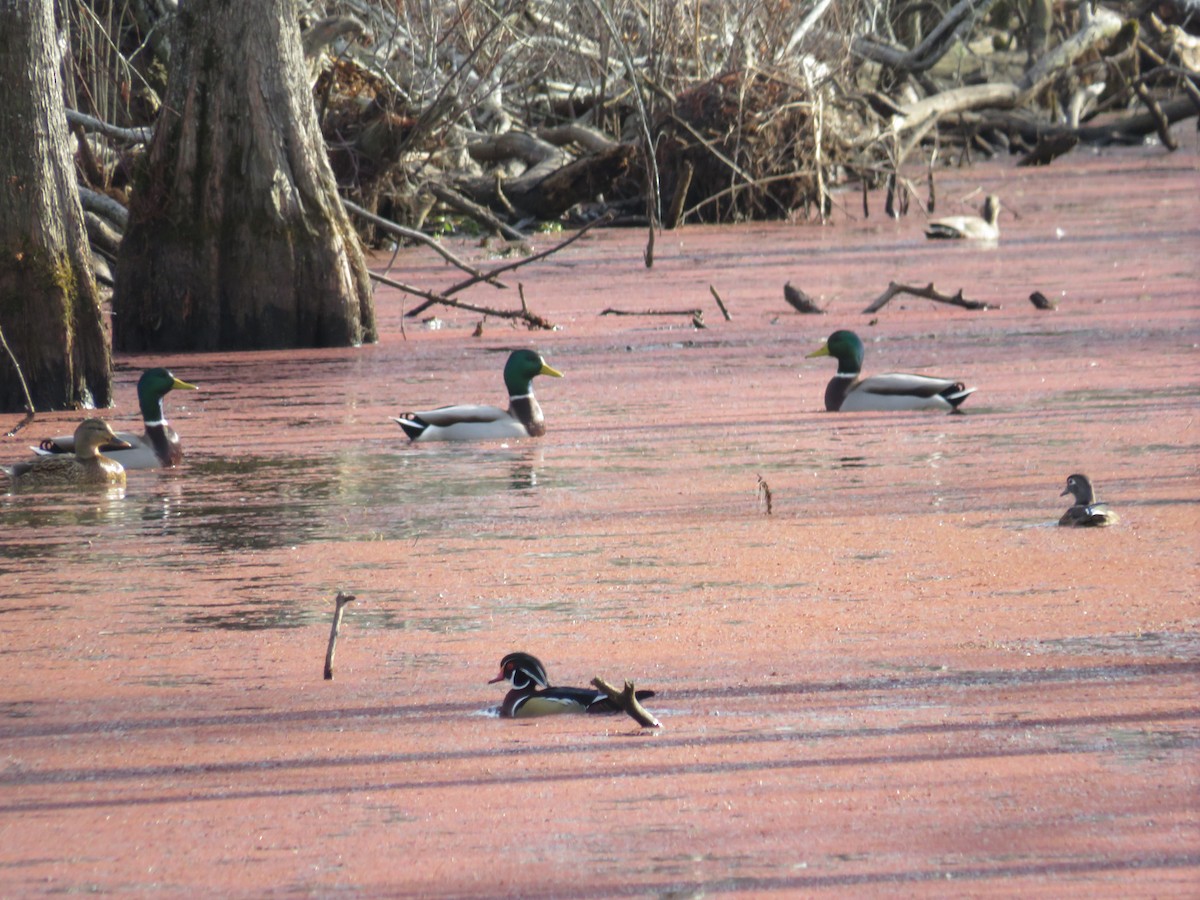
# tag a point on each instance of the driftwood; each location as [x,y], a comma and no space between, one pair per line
[929,293]
[340,602]
[800,301]
[1041,301]
[626,700]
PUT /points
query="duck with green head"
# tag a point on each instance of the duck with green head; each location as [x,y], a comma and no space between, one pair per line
[465,422]
[849,391]
[86,466]
[158,446]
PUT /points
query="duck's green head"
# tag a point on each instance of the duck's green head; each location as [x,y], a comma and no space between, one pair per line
[846,348]
[153,386]
[522,367]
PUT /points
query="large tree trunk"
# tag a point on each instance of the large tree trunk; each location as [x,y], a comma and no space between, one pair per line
[50,311]
[237,238]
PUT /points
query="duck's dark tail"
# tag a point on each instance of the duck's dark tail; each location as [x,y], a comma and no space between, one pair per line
[956,394]
[412,424]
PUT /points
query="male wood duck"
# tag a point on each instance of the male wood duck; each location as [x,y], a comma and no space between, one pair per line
[85,467]
[1087,511]
[159,446]
[983,227]
[522,419]
[849,391]
[526,675]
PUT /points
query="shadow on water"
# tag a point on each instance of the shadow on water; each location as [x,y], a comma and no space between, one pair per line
[264,503]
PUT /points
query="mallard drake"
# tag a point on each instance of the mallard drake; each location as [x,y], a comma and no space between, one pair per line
[984,227]
[848,391]
[526,674]
[1087,511]
[159,446]
[523,418]
[85,467]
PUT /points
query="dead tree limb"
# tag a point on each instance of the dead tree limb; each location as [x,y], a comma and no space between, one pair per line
[340,600]
[29,411]
[926,54]
[1098,26]
[103,205]
[125,135]
[626,700]
[480,214]
[432,298]
[929,293]
[420,237]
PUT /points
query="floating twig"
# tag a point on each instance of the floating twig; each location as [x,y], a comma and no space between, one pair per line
[929,292]
[612,311]
[800,301]
[764,494]
[720,303]
[627,701]
[1041,301]
[341,600]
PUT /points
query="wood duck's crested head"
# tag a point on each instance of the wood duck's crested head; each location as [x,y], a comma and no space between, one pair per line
[846,348]
[522,367]
[1081,488]
[91,435]
[522,671]
[153,386]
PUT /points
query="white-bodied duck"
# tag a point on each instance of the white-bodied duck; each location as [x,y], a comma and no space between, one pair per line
[849,391]
[158,446]
[522,419]
[984,227]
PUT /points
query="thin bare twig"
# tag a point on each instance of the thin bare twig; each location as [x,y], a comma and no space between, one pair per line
[720,303]
[29,411]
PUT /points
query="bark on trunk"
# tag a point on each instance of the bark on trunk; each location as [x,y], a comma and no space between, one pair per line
[237,237]
[50,310]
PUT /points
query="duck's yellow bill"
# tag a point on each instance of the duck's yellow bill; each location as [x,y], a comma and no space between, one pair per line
[546,370]
[823,350]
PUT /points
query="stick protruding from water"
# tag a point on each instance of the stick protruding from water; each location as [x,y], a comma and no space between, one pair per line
[341,600]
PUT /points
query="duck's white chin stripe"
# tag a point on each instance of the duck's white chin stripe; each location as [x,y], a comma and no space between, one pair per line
[520,396]
[846,375]
[159,423]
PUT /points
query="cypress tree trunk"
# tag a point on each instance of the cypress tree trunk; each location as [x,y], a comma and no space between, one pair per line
[237,238]
[50,311]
